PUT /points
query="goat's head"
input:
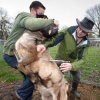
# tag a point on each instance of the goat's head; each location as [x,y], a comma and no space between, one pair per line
[49,31]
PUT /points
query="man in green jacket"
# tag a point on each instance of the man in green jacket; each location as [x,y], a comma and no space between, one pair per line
[23,21]
[73,47]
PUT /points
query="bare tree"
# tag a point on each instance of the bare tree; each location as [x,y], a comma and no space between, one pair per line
[5,24]
[94,14]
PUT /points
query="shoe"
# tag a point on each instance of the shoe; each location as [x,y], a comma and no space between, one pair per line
[74,90]
[76,93]
[14,97]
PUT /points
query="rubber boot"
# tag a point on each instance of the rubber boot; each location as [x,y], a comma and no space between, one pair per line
[74,90]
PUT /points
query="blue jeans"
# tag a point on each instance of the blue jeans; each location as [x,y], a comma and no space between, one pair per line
[25,91]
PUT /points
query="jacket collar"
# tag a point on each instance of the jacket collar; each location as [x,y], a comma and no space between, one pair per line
[85,41]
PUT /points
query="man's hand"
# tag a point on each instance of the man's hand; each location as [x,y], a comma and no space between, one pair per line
[41,48]
[64,67]
[56,22]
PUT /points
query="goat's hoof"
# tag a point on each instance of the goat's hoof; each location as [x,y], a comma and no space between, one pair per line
[35,81]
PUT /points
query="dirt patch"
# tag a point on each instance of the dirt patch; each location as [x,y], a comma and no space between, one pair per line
[87,91]
[7,88]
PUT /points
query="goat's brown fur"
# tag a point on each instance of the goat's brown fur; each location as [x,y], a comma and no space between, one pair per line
[51,85]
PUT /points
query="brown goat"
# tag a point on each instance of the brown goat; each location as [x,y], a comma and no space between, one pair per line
[51,83]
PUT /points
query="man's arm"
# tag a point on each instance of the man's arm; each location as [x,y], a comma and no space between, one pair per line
[77,64]
[34,24]
[56,40]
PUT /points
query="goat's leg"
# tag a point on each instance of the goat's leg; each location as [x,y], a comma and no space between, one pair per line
[47,98]
[16,54]
[55,90]
[34,79]
[23,69]
[63,92]
[54,95]
[28,73]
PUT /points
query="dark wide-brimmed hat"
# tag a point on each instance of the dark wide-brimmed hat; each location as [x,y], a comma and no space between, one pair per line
[86,25]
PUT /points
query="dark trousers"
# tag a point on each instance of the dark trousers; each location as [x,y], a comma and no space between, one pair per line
[76,75]
[76,79]
[25,91]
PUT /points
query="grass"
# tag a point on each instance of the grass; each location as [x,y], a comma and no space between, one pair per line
[7,74]
[93,65]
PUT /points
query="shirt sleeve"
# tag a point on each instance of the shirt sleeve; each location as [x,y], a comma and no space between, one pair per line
[77,64]
[56,40]
[34,24]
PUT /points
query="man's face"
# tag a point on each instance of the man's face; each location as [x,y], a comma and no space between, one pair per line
[36,12]
[40,11]
[80,33]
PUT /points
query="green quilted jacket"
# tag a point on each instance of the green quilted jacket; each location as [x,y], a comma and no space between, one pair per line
[22,22]
[68,50]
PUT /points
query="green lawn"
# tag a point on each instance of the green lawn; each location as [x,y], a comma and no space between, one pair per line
[7,74]
[92,68]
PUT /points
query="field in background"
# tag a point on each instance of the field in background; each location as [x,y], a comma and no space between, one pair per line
[90,70]
[7,74]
